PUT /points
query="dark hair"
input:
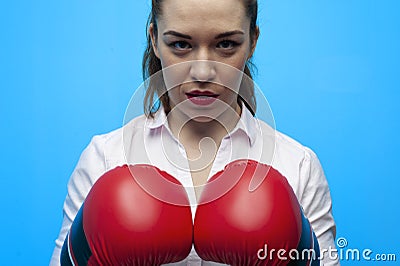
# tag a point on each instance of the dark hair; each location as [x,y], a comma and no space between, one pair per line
[151,64]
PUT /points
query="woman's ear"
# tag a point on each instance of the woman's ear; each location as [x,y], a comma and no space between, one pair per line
[153,37]
[254,40]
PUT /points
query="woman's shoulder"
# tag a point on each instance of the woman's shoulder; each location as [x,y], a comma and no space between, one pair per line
[133,126]
[291,158]
[110,145]
[288,142]
[284,143]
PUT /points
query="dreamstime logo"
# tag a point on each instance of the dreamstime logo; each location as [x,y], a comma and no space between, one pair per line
[283,254]
[343,253]
[341,242]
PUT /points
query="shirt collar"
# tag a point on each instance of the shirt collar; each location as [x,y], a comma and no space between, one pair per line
[247,123]
[159,119]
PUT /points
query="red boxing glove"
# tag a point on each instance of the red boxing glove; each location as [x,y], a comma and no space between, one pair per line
[122,223]
[231,228]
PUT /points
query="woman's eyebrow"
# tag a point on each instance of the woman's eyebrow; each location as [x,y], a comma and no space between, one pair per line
[229,33]
[177,34]
[219,36]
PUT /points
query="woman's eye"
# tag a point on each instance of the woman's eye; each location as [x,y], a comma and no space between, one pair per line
[180,45]
[227,44]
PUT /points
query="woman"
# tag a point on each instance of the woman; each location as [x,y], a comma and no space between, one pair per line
[201,47]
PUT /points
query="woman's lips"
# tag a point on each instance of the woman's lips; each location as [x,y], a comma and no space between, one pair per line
[202,97]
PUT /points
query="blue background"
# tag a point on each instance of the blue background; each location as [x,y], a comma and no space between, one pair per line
[330,70]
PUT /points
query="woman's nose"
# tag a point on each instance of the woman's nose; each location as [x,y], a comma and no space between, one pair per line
[202,69]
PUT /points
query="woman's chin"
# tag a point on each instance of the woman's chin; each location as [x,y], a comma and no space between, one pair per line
[202,119]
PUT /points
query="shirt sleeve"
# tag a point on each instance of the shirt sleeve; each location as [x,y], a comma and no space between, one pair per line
[90,167]
[317,204]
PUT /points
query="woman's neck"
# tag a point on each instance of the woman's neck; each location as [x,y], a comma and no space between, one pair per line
[191,131]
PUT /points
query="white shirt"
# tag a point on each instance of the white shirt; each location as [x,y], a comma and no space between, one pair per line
[145,140]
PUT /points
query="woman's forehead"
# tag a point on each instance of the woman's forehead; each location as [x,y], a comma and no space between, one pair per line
[207,5]
[203,13]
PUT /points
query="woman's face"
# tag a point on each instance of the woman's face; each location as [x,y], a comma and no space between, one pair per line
[210,41]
